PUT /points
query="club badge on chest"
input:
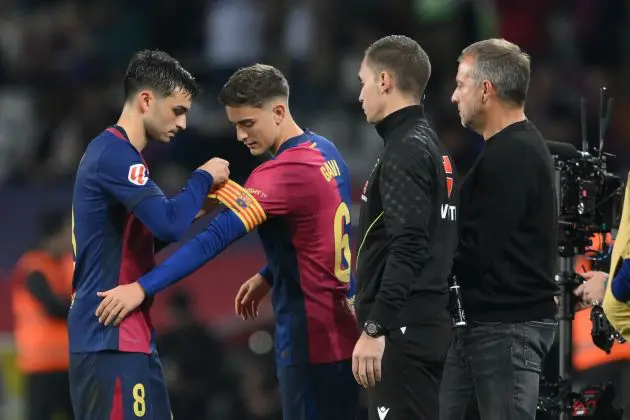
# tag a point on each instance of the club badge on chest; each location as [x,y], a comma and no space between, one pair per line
[367,183]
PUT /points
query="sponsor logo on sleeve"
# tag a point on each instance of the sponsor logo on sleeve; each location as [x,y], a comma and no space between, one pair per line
[138,174]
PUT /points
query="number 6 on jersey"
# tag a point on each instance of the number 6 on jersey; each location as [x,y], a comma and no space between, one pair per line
[343,256]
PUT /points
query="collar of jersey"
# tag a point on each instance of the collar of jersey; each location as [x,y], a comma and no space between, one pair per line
[122,131]
[294,141]
[124,137]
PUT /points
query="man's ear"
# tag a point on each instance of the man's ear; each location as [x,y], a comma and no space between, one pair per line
[145,99]
[385,81]
[279,112]
[487,91]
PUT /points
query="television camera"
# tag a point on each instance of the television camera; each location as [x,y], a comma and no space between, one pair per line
[589,202]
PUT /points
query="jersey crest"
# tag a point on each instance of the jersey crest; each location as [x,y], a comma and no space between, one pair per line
[448,170]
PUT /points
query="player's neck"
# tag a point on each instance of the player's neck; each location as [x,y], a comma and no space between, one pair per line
[498,120]
[134,128]
[291,130]
[398,102]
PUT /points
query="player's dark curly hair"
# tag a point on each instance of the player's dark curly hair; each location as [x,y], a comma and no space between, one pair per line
[158,71]
[254,86]
[404,59]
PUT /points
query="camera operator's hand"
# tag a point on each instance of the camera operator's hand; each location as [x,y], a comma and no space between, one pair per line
[592,290]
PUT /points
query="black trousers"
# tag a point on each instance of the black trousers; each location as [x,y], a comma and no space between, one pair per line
[48,396]
[411,372]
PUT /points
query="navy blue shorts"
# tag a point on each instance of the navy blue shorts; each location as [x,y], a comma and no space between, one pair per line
[318,391]
[118,386]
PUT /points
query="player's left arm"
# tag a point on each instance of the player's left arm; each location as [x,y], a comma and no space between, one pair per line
[266,274]
[222,231]
[242,214]
[226,228]
[209,206]
[405,187]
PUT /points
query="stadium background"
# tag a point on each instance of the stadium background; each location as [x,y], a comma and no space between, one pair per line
[61,66]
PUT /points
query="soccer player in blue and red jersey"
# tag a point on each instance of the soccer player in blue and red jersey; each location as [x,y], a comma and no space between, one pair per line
[118,214]
[300,202]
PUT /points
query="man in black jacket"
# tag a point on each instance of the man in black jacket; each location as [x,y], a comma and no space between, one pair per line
[407,238]
[507,250]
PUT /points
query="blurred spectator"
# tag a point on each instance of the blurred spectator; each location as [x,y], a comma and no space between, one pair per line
[201,383]
[41,289]
[259,387]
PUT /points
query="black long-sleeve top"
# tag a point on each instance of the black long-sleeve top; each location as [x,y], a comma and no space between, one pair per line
[407,226]
[507,251]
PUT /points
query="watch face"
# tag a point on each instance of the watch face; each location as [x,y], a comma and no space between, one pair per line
[371,328]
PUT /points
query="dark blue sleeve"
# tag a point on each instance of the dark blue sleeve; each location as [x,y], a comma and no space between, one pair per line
[267,274]
[352,287]
[123,174]
[222,231]
[620,286]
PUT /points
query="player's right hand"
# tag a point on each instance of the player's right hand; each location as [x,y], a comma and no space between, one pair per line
[218,168]
[249,296]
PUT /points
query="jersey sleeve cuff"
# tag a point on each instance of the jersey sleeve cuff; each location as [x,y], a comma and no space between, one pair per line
[147,290]
[266,274]
[384,315]
[204,176]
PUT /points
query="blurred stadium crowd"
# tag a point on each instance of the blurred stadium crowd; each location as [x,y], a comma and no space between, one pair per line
[61,66]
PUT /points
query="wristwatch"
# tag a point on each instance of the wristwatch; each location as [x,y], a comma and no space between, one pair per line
[373,329]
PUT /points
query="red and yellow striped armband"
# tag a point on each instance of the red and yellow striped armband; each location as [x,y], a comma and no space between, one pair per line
[242,203]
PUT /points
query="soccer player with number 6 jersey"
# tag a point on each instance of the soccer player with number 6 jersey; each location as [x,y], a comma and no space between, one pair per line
[300,203]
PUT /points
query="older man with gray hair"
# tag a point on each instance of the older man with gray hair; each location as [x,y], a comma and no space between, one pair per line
[506,257]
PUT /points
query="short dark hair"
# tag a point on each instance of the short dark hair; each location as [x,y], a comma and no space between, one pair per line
[405,59]
[254,86]
[158,71]
[504,65]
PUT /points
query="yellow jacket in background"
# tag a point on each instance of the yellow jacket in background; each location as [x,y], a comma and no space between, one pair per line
[618,313]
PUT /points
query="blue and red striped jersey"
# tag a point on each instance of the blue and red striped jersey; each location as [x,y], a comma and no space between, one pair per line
[111,245]
[300,203]
[303,195]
